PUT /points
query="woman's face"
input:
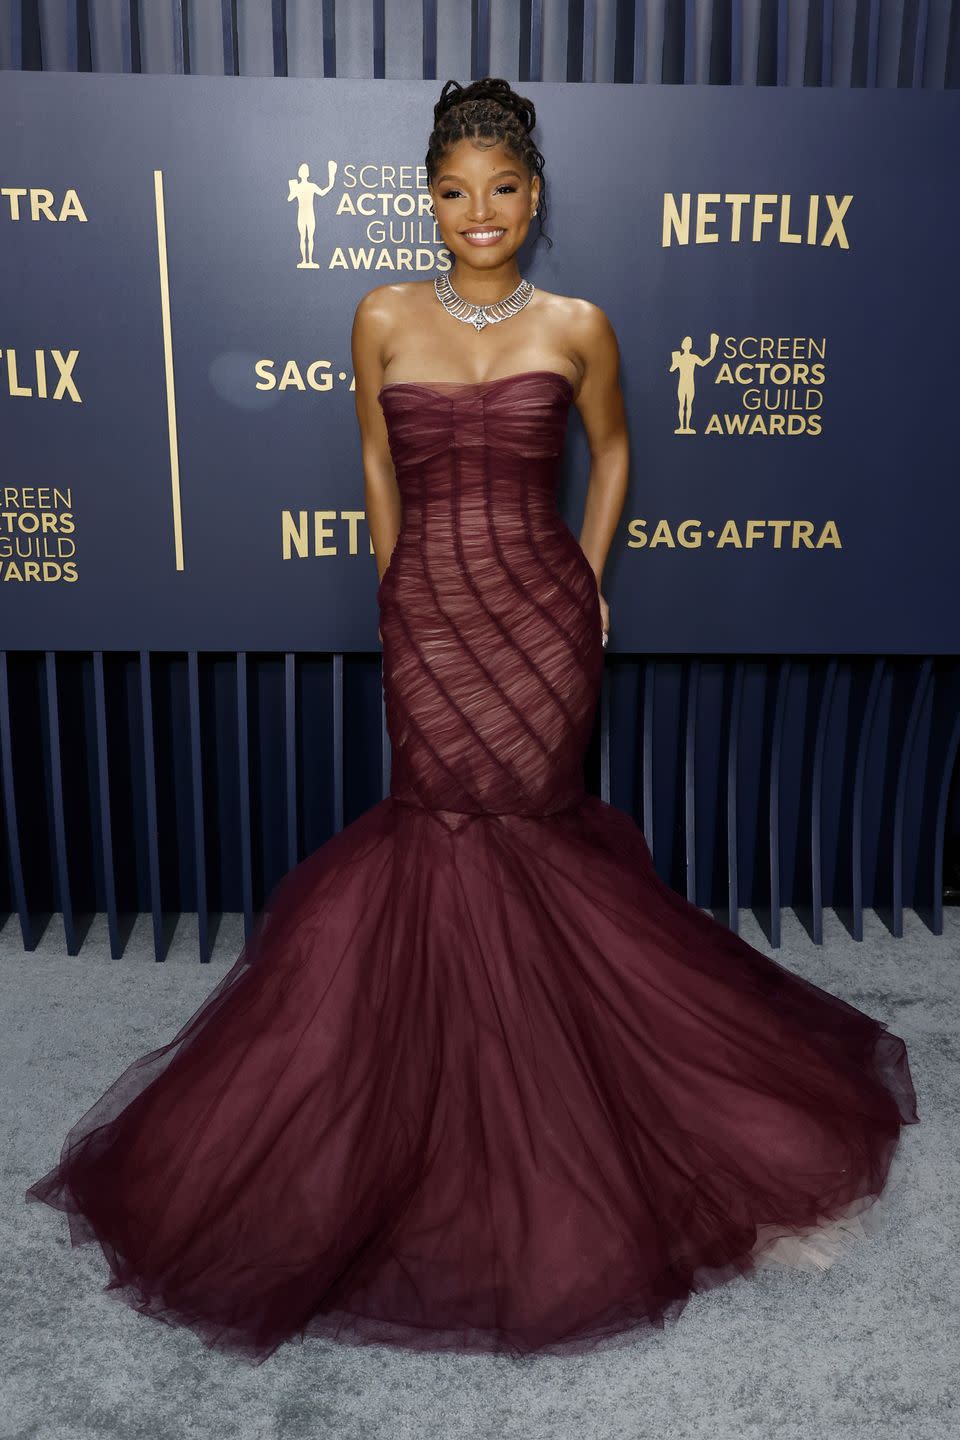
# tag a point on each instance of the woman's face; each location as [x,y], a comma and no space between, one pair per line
[488,193]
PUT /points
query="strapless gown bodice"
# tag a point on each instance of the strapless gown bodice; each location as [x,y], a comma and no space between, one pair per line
[488,607]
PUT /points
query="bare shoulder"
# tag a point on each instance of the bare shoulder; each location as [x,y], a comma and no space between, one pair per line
[386,304]
[586,328]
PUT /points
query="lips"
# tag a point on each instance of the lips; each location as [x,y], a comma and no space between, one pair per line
[484,237]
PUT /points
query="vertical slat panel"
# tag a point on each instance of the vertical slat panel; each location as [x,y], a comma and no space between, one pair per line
[338,741]
[454,41]
[354,31]
[228,29]
[870,709]
[506,18]
[10,810]
[304,39]
[111,35]
[199,809]
[536,40]
[816,803]
[243,779]
[480,44]
[402,40]
[826,46]
[649,688]
[209,31]
[921,685]
[278,28]
[290,756]
[58,33]
[690,778]
[61,868]
[689,42]
[943,793]
[773,801]
[106,809]
[555,40]
[150,795]
[733,798]
[588,44]
[429,43]
[920,42]
[605,735]
[605,42]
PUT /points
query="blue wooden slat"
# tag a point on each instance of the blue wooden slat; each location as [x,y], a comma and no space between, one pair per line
[816,802]
[61,869]
[873,44]
[429,39]
[243,759]
[736,42]
[923,681]
[649,686]
[179,59]
[690,778]
[826,48]
[943,793]
[605,735]
[920,42]
[536,40]
[733,798]
[150,783]
[379,40]
[338,741]
[199,824]
[773,839]
[278,15]
[385,747]
[870,710]
[106,813]
[229,23]
[689,41]
[480,57]
[329,38]
[588,50]
[10,811]
[290,756]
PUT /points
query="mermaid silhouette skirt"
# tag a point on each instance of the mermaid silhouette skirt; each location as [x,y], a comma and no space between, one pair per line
[479,1079]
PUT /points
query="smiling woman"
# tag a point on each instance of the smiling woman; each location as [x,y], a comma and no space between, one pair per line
[480,1079]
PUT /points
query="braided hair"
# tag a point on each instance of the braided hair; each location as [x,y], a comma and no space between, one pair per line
[490,110]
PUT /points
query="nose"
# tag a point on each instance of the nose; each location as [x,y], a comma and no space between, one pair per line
[480,210]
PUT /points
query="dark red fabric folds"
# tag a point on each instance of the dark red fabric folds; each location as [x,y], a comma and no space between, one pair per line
[479,1079]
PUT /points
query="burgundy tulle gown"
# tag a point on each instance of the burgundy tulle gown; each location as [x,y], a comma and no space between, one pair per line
[479,1079]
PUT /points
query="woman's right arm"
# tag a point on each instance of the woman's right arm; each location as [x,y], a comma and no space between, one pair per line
[371,329]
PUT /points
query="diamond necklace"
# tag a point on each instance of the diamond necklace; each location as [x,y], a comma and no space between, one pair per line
[481,315]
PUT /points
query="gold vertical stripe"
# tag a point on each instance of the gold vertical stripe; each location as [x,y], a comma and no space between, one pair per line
[168,367]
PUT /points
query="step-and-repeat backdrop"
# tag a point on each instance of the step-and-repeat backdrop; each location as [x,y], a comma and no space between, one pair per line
[180,258]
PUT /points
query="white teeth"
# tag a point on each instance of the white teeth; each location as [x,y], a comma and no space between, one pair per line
[483,234]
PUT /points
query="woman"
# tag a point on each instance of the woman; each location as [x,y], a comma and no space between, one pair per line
[480,1079]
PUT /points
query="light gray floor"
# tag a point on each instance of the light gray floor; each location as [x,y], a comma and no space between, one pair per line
[866,1349]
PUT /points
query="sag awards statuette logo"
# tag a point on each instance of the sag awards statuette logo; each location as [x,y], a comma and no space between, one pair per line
[377,219]
[764,385]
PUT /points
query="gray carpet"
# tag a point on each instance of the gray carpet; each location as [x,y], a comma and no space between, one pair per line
[869,1348]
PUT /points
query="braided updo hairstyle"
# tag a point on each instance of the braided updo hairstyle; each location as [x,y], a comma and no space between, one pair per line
[487,110]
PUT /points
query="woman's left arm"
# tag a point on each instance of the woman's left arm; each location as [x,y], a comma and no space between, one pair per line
[600,403]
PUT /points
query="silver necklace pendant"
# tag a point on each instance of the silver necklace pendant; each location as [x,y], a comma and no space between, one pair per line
[480,315]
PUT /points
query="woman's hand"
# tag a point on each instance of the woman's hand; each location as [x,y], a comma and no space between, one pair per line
[604,615]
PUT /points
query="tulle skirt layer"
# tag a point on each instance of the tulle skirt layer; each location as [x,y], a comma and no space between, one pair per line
[482,1083]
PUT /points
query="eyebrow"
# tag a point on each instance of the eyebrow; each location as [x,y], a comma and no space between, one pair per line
[492,177]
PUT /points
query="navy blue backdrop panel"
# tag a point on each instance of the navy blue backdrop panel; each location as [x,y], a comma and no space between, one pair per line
[181,462]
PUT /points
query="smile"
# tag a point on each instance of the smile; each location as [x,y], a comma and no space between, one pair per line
[482,237]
